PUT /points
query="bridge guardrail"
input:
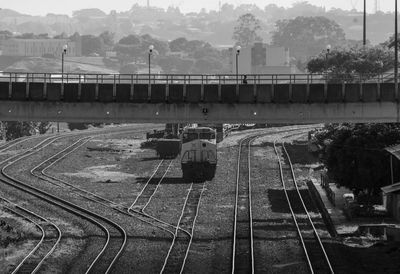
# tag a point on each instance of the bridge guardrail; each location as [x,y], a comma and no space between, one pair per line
[194,78]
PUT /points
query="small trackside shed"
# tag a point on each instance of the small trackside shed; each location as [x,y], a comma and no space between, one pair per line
[391,200]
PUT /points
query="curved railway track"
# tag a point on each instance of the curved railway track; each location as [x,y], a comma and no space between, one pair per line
[183,230]
[316,256]
[40,171]
[115,235]
[50,238]
[183,237]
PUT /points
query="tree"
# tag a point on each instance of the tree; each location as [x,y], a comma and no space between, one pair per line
[339,63]
[178,44]
[355,152]
[91,44]
[15,130]
[246,30]
[130,40]
[307,36]
[107,37]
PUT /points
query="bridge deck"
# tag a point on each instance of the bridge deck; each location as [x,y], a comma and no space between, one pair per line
[185,95]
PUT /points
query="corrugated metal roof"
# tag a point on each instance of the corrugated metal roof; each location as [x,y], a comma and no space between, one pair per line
[391,188]
[394,150]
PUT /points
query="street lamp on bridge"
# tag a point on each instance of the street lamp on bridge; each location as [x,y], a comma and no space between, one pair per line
[151,48]
[64,51]
[238,48]
[328,50]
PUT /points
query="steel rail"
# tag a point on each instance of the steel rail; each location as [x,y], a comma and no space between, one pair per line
[316,235]
[302,241]
[96,198]
[292,211]
[242,143]
[151,190]
[192,232]
[68,206]
[182,243]
[41,241]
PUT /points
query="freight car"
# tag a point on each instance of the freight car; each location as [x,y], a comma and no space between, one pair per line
[168,148]
[198,153]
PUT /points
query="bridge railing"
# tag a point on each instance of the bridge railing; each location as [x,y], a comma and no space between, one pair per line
[193,78]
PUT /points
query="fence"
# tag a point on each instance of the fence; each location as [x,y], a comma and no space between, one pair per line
[325,181]
[195,78]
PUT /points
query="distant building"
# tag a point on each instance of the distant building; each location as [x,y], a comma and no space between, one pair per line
[39,47]
[262,59]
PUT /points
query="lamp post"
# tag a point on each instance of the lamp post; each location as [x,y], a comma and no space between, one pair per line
[238,48]
[64,51]
[151,48]
[328,50]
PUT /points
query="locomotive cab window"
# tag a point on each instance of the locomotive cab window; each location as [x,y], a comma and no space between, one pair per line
[187,137]
[207,136]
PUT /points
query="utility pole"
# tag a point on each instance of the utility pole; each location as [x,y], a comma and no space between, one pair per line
[365,24]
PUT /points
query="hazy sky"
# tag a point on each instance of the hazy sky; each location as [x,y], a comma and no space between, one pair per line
[42,7]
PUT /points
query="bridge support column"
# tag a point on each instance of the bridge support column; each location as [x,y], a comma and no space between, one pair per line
[10,89]
[132,91]
[255,93]
[149,92]
[45,87]
[96,92]
[27,87]
[80,91]
[343,92]
[378,98]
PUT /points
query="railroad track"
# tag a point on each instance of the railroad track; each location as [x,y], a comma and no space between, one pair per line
[243,245]
[243,259]
[183,237]
[40,171]
[316,256]
[115,236]
[151,186]
[49,240]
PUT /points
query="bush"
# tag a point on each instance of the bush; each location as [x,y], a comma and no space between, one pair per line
[78,126]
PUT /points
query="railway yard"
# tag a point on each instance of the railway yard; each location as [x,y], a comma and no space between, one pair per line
[94,201]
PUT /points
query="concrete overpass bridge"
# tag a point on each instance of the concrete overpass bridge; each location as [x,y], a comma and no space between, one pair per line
[300,98]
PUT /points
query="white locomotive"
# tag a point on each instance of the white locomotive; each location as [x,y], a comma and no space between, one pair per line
[198,153]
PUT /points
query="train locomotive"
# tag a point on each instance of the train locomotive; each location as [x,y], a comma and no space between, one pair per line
[198,153]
